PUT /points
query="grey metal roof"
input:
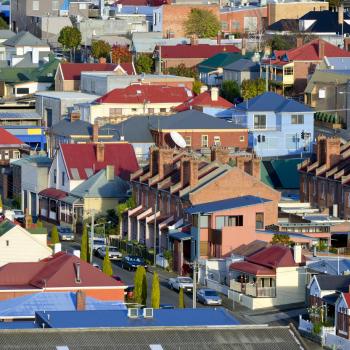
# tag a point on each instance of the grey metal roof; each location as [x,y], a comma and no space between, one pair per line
[338,283]
[330,266]
[338,63]
[67,128]
[19,114]
[24,39]
[243,65]
[218,338]
[6,34]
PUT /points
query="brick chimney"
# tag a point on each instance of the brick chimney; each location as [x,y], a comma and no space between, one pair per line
[100,152]
[300,41]
[194,40]
[214,93]
[153,160]
[255,168]
[110,172]
[328,150]
[218,38]
[220,154]
[347,44]
[204,88]
[95,132]
[165,161]
[80,301]
[244,46]
[340,14]
[321,48]
[102,60]
[189,172]
[249,165]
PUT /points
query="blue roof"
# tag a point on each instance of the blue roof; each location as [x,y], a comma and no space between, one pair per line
[270,101]
[226,204]
[27,305]
[161,318]
[330,266]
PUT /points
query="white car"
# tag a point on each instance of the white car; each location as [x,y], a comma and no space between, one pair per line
[98,243]
[186,283]
[113,253]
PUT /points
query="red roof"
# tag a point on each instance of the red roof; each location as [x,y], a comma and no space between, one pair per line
[137,93]
[253,269]
[120,155]
[72,71]
[54,272]
[195,51]
[347,299]
[203,100]
[53,193]
[6,138]
[310,52]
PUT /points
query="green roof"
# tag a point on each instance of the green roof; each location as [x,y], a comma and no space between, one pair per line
[38,230]
[221,60]
[6,226]
[280,173]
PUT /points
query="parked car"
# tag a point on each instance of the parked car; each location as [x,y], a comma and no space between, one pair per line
[65,233]
[131,262]
[113,253]
[186,283]
[98,242]
[208,296]
[14,214]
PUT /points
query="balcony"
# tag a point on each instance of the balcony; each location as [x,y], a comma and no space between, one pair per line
[253,290]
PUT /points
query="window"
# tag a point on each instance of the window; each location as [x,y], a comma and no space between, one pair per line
[241,139]
[7,154]
[235,25]
[219,222]
[224,25]
[63,177]
[259,220]
[7,243]
[204,140]
[288,71]
[163,110]
[188,140]
[54,176]
[259,121]
[134,109]
[22,91]
[204,221]
[236,220]
[114,112]
[217,141]
[55,5]
[15,154]
[35,5]
[150,110]
[82,6]
[297,119]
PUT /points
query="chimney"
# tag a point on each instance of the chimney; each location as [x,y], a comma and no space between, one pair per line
[249,165]
[194,40]
[328,150]
[297,254]
[255,168]
[28,220]
[321,48]
[110,172]
[347,44]
[102,60]
[153,160]
[100,152]
[300,41]
[340,14]
[74,115]
[165,162]
[218,38]
[77,272]
[204,88]
[244,47]
[214,93]
[189,172]
[95,132]
[220,154]
[80,300]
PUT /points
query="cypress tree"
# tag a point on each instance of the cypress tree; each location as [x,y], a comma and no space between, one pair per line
[140,282]
[84,245]
[54,235]
[155,296]
[144,287]
[107,266]
[181,299]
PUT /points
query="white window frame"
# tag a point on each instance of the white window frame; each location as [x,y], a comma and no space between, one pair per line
[205,141]
[35,5]
[217,140]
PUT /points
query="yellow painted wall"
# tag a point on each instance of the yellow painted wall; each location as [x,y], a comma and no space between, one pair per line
[100,206]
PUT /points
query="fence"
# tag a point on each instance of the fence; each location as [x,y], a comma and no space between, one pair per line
[221,288]
[335,342]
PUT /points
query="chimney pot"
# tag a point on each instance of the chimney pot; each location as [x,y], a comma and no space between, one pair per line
[214,93]
[220,154]
[95,132]
[102,60]
[80,300]
[100,152]
[321,48]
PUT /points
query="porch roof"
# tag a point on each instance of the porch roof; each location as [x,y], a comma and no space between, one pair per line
[71,200]
[137,212]
[253,269]
[53,193]
[331,299]
[160,219]
[180,236]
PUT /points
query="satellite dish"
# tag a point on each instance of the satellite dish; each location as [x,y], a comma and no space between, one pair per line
[178,139]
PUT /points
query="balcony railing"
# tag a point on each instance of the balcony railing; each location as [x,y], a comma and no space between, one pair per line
[252,290]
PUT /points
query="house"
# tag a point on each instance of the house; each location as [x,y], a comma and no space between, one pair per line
[277,126]
[332,267]
[200,131]
[242,69]
[11,147]
[189,55]
[282,337]
[30,175]
[135,99]
[342,313]
[288,70]
[273,276]
[178,180]
[67,76]
[211,70]
[169,19]
[208,102]
[324,180]
[19,245]
[61,272]
[69,170]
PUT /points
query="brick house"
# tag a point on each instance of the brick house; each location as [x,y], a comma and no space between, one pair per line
[176,180]
[324,181]
[61,272]
[288,70]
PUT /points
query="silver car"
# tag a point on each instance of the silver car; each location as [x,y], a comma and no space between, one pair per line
[65,233]
[208,296]
[113,253]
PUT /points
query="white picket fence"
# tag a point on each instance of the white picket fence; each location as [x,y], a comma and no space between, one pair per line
[335,342]
[305,325]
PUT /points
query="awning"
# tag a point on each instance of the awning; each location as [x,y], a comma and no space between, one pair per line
[331,299]
[180,236]
[165,222]
[136,211]
[53,193]
[71,200]
[143,215]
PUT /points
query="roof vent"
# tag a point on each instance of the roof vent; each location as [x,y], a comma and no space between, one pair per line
[148,312]
[133,313]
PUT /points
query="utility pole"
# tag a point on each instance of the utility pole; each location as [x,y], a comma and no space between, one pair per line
[160,59]
[194,292]
[155,230]
[92,235]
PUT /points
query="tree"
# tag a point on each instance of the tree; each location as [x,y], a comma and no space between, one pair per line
[197,87]
[155,296]
[182,71]
[3,24]
[140,282]
[252,88]
[121,54]
[230,90]
[281,42]
[107,266]
[100,48]
[69,38]
[84,248]
[54,235]
[144,64]
[202,23]
[181,299]
[281,239]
